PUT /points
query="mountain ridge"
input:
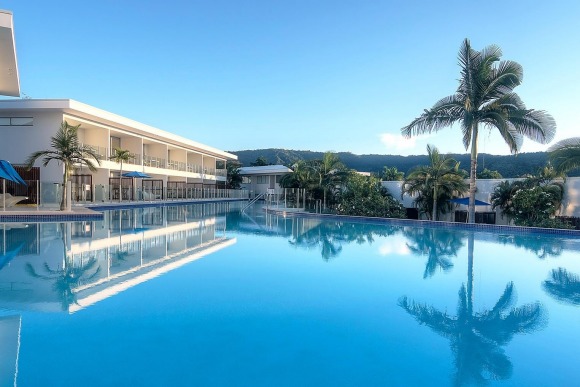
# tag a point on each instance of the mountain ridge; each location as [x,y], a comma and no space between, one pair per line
[507,165]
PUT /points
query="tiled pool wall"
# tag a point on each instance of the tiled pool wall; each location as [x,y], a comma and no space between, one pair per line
[431,223]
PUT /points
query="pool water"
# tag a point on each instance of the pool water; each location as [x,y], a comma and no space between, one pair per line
[204,295]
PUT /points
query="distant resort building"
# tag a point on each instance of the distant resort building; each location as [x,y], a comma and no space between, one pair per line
[173,163]
[258,180]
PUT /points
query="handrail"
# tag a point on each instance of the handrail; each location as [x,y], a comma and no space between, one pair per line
[254,200]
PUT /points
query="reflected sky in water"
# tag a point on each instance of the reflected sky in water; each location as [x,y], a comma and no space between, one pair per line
[205,295]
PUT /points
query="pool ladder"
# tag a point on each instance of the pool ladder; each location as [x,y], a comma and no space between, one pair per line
[254,200]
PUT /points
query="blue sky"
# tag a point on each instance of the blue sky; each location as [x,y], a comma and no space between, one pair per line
[318,75]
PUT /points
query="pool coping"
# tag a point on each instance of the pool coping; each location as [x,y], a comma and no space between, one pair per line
[92,212]
[427,223]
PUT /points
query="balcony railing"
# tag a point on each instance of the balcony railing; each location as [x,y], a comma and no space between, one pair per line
[156,162]
[134,158]
[100,151]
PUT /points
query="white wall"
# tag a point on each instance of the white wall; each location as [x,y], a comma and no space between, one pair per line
[18,142]
[485,187]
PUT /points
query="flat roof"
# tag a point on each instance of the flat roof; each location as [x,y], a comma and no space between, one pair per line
[78,109]
[9,81]
[264,170]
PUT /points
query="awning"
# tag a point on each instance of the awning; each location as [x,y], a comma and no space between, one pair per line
[465,201]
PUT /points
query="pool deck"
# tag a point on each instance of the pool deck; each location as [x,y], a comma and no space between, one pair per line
[90,211]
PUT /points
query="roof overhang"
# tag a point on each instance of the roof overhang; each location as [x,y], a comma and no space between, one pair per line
[9,81]
[79,110]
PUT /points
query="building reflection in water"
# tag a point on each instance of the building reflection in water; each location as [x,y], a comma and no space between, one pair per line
[69,266]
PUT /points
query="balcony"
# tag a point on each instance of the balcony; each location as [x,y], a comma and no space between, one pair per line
[156,162]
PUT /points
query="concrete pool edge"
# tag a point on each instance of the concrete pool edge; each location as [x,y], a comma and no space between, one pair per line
[93,211]
[426,223]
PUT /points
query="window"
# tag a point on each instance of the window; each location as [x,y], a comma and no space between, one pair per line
[246,180]
[262,179]
[278,179]
[16,121]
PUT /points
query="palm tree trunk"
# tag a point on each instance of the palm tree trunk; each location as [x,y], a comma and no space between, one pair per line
[121,182]
[472,174]
[434,217]
[64,186]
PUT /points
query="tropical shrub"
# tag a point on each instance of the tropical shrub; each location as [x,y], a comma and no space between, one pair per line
[364,196]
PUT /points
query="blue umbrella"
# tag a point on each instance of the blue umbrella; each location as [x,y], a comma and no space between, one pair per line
[137,174]
[465,201]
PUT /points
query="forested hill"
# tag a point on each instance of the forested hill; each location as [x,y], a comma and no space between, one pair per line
[508,166]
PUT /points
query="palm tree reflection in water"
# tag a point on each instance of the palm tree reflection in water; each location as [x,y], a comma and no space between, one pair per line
[477,338]
[439,245]
[563,286]
[331,236]
[69,276]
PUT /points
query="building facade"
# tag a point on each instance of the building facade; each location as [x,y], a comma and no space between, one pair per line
[258,180]
[173,163]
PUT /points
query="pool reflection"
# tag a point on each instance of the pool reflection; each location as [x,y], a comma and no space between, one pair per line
[477,338]
[84,262]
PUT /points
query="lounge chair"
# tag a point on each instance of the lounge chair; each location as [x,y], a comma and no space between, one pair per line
[11,200]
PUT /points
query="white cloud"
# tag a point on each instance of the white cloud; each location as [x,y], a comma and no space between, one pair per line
[399,143]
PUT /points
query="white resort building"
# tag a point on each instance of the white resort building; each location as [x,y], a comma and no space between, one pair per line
[176,167]
[258,180]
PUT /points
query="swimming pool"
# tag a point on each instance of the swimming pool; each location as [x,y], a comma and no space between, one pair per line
[203,295]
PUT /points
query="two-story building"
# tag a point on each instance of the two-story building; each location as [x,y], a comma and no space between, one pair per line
[173,163]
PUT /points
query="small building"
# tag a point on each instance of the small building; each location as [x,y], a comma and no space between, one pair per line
[258,180]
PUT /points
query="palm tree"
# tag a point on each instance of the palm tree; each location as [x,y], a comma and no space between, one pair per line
[485,97]
[120,156]
[392,174]
[66,149]
[565,155]
[331,172]
[477,337]
[440,180]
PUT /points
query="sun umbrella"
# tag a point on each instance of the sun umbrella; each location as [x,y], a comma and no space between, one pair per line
[137,174]
[7,172]
[134,175]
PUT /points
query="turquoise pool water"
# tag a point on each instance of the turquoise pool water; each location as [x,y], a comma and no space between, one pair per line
[202,295]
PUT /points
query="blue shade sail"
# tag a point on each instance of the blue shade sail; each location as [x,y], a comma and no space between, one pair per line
[465,201]
[8,172]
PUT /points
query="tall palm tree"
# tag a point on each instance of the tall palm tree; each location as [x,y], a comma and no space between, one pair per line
[477,338]
[565,155]
[121,156]
[68,150]
[440,180]
[331,172]
[485,98]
